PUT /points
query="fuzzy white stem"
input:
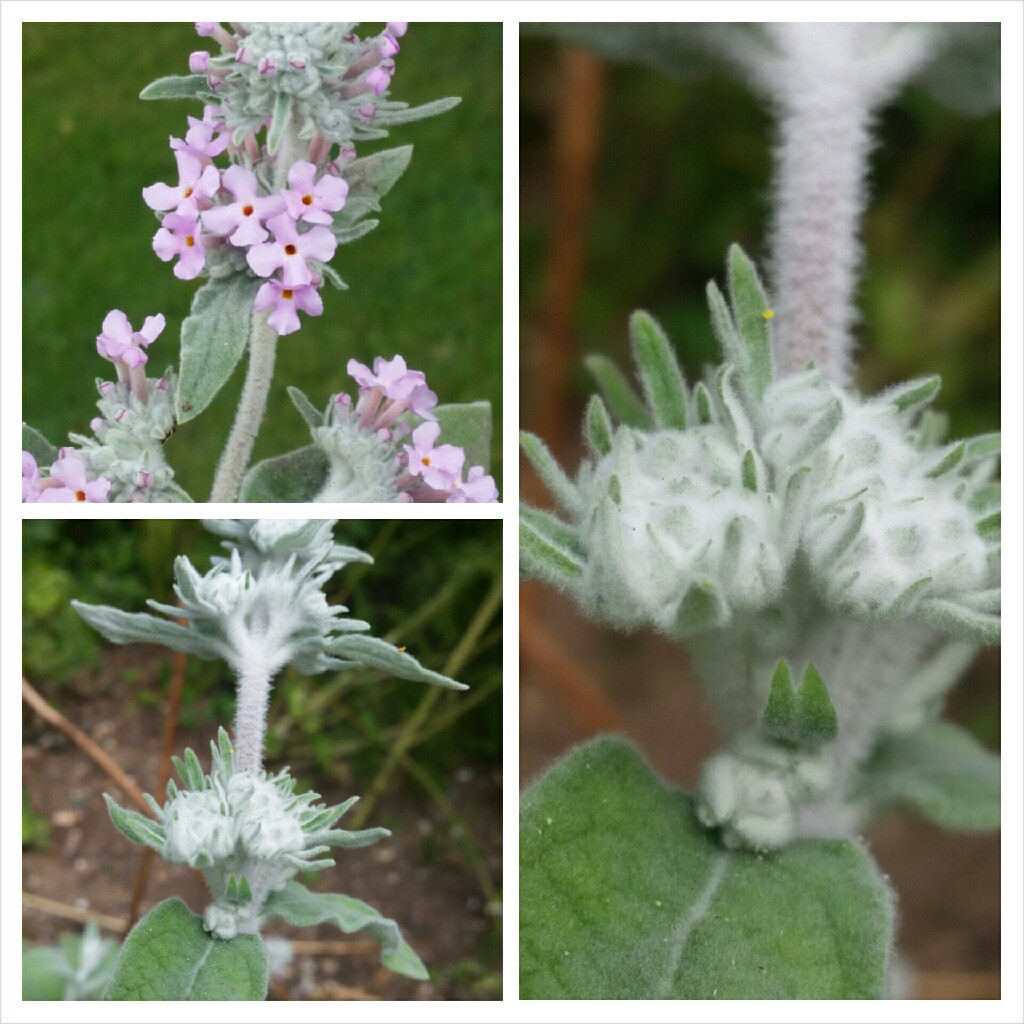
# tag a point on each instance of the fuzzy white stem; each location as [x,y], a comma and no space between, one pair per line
[826,84]
[251,406]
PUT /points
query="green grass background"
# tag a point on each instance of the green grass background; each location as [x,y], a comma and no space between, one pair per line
[684,169]
[426,283]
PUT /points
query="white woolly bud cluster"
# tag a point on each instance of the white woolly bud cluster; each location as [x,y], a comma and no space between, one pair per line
[127,446]
[361,464]
[666,512]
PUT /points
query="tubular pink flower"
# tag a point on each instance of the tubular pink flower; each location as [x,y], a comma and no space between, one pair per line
[30,478]
[394,379]
[438,467]
[285,302]
[378,80]
[120,344]
[397,28]
[68,481]
[179,236]
[194,182]
[203,141]
[479,488]
[242,220]
[218,32]
[199,62]
[311,202]
[388,45]
[290,250]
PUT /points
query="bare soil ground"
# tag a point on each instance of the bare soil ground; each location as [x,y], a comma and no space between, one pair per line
[420,876]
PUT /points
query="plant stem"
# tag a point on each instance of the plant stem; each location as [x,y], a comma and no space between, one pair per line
[251,406]
[252,697]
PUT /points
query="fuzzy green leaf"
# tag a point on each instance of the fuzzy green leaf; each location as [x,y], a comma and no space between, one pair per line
[960,620]
[295,476]
[548,548]
[176,87]
[752,317]
[658,369]
[625,404]
[279,120]
[780,714]
[950,459]
[624,895]
[137,627]
[379,654]
[37,446]
[722,324]
[702,403]
[598,426]
[213,337]
[137,827]
[562,489]
[939,770]
[369,179]
[313,417]
[169,955]
[302,908]
[816,717]
[701,609]
[748,472]
[914,393]
[467,425]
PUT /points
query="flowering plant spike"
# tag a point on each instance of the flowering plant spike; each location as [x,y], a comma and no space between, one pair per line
[260,607]
[269,186]
[830,560]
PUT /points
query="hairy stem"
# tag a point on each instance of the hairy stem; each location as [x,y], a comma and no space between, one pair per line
[253,695]
[251,406]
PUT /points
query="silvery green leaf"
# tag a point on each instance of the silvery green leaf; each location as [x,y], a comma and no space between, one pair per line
[701,608]
[961,621]
[213,337]
[137,827]
[467,425]
[333,277]
[658,369]
[280,118]
[624,895]
[369,179]
[176,87]
[723,326]
[300,907]
[345,235]
[598,426]
[137,627]
[951,456]
[752,317]
[815,715]
[378,654]
[965,71]
[624,403]
[403,114]
[295,476]
[548,548]
[169,955]
[37,446]
[780,713]
[306,409]
[553,476]
[912,395]
[984,446]
[351,840]
[939,770]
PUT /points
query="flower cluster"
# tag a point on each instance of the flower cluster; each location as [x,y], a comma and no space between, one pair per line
[271,212]
[365,442]
[247,831]
[123,460]
[66,480]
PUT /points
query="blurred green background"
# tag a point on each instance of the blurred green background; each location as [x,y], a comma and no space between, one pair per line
[684,168]
[428,581]
[426,283]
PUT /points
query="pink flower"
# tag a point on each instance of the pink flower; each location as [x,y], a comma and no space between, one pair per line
[68,481]
[242,220]
[392,377]
[30,478]
[379,79]
[285,301]
[120,344]
[397,28]
[179,236]
[478,488]
[199,62]
[202,141]
[194,182]
[290,250]
[311,202]
[438,467]
[388,45]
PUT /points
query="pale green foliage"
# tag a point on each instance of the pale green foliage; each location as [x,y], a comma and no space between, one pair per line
[78,967]
[624,895]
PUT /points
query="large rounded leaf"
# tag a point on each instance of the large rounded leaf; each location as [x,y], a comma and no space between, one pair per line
[624,895]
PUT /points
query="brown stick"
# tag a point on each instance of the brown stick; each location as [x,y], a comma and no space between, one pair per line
[578,694]
[109,766]
[164,773]
[70,913]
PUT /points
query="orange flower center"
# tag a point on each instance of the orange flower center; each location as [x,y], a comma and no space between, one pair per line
[290,250]
[307,200]
[79,495]
[247,211]
[287,293]
[189,241]
[188,192]
[425,460]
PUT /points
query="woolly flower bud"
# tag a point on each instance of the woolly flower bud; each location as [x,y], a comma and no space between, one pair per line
[665,512]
